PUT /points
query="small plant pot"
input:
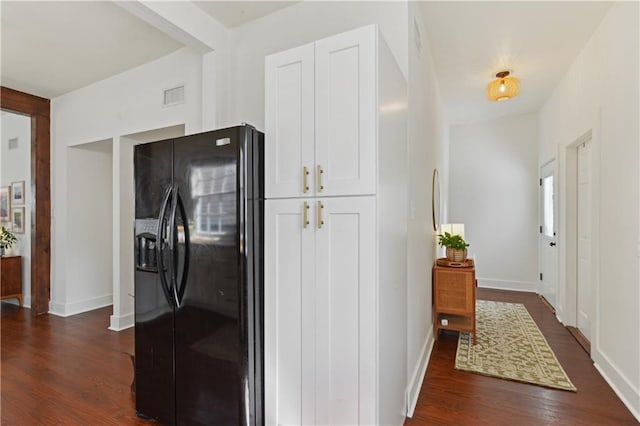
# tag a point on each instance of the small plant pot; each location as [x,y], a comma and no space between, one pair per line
[456,255]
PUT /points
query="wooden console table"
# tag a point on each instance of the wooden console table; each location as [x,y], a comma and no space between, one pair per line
[454,300]
[11,278]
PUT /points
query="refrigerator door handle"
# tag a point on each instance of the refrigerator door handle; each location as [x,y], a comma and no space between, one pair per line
[187,251]
[173,236]
[160,244]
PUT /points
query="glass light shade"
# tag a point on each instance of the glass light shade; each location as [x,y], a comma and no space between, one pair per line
[502,89]
[453,228]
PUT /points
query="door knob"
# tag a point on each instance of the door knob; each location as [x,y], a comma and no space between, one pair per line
[552,244]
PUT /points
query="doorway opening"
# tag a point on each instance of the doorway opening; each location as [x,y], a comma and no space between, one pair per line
[38,109]
[548,253]
[581,252]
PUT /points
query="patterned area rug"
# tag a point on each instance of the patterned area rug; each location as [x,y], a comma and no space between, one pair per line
[510,346]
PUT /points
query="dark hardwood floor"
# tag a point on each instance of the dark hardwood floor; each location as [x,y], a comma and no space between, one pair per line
[452,397]
[73,371]
[64,371]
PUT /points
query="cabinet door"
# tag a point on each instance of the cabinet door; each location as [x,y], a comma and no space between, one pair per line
[346,113]
[345,311]
[289,313]
[289,125]
[455,290]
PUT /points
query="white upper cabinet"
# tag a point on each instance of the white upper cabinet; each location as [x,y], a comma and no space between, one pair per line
[321,117]
[346,113]
[289,122]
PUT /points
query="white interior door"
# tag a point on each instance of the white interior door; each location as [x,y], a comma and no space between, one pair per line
[548,253]
[346,311]
[289,313]
[289,121]
[584,280]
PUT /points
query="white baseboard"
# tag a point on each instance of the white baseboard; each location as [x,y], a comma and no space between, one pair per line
[628,394]
[415,384]
[80,306]
[528,286]
[56,308]
[122,322]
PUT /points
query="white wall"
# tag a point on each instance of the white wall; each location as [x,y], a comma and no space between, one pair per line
[600,92]
[128,103]
[15,166]
[293,26]
[494,192]
[131,102]
[89,237]
[428,149]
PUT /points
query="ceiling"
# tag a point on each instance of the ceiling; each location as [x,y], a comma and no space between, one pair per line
[54,47]
[236,13]
[50,48]
[538,41]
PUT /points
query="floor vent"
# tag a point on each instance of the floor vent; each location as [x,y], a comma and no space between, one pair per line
[174,96]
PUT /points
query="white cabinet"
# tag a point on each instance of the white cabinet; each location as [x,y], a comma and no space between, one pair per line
[289,306]
[289,122]
[320,335]
[321,117]
[345,305]
[335,238]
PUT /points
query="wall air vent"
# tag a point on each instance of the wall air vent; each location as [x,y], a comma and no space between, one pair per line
[13,143]
[173,96]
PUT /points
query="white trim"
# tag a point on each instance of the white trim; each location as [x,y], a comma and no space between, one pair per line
[415,384]
[56,308]
[618,382]
[122,322]
[528,286]
[80,306]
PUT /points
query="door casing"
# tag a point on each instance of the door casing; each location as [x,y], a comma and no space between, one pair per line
[569,260]
[548,256]
[39,110]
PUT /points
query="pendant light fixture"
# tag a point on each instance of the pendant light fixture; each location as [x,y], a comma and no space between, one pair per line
[503,87]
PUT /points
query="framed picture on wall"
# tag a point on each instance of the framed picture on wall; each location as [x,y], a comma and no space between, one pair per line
[17,217]
[5,204]
[17,193]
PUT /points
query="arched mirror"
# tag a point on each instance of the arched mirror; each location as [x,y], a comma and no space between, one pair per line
[435,200]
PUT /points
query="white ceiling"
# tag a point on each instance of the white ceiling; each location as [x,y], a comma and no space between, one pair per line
[54,47]
[50,48]
[236,13]
[471,41]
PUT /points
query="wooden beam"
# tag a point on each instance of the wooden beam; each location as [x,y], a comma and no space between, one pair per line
[39,109]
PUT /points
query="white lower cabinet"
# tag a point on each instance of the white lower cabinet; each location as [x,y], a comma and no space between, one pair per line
[320,311]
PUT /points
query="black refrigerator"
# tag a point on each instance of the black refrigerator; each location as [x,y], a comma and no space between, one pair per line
[199,278]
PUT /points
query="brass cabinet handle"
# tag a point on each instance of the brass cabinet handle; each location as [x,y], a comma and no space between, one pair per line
[320,208]
[305,215]
[305,179]
[320,172]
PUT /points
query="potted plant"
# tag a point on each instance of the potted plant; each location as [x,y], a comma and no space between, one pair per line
[456,246]
[7,239]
